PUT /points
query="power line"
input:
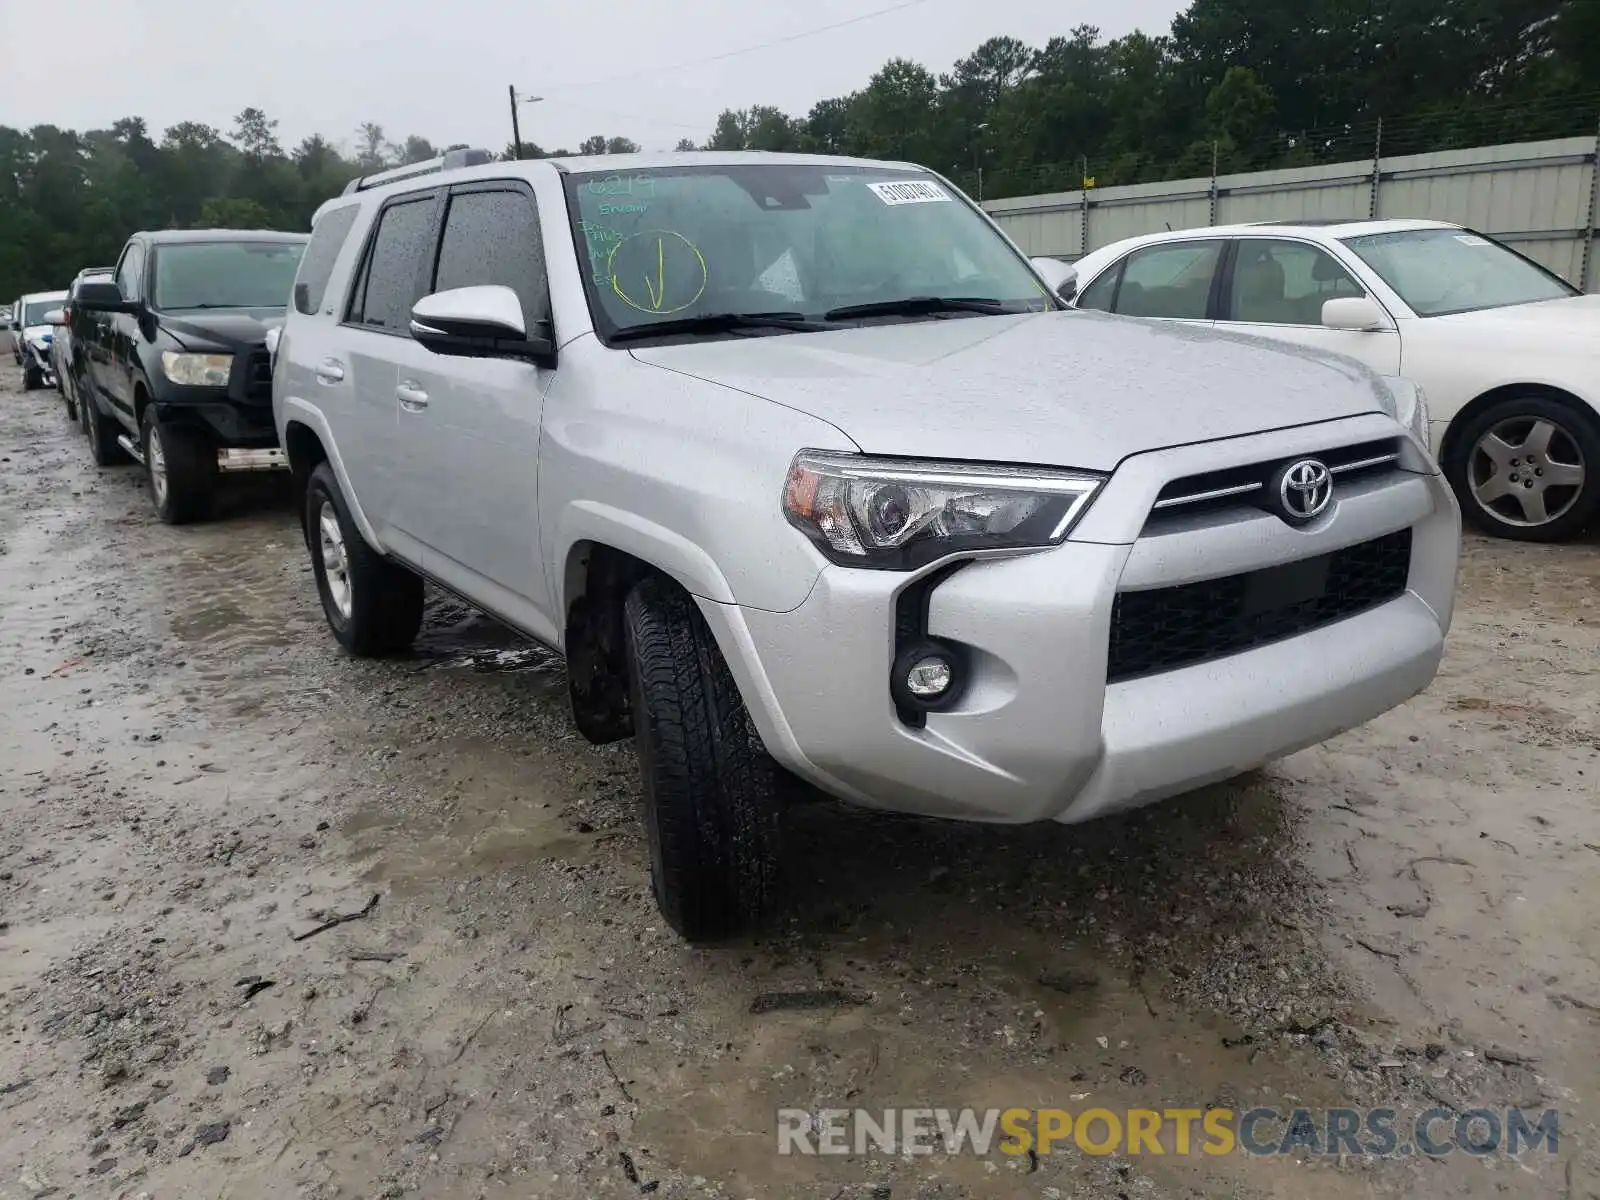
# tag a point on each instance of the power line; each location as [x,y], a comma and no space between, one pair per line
[727,54]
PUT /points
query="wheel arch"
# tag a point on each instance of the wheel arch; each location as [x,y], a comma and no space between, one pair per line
[303,431]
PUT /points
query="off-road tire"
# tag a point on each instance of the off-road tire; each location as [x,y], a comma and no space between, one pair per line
[102,433]
[30,379]
[64,385]
[710,805]
[191,467]
[385,597]
[1580,423]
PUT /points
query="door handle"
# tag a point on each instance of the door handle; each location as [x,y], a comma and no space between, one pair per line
[330,370]
[412,398]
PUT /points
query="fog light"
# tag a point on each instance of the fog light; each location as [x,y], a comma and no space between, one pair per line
[929,678]
[926,676]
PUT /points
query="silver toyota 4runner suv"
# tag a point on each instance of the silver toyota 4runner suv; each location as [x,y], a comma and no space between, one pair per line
[809,474]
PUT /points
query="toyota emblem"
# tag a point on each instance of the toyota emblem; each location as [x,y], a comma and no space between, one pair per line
[1303,489]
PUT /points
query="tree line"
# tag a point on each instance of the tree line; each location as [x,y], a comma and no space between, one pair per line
[1233,85]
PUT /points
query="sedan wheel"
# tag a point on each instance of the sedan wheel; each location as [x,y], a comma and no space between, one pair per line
[1527,471]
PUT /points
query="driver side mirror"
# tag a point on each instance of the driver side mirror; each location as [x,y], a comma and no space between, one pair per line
[1061,277]
[480,322]
[1356,314]
[104,297]
[55,316]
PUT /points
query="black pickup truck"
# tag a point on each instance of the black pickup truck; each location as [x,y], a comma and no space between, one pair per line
[179,378]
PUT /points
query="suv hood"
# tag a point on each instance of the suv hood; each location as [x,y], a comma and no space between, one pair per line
[1067,389]
[233,329]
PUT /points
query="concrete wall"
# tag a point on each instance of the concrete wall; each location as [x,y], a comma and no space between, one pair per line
[1537,196]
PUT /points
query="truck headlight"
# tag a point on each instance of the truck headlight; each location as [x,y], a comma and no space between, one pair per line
[899,514]
[197,370]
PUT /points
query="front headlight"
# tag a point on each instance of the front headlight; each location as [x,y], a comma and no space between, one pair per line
[899,514]
[197,370]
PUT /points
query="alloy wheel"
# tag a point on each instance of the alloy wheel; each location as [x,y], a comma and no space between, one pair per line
[1526,471]
[335,560]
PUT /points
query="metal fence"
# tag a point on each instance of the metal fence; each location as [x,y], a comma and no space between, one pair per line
[1541,197]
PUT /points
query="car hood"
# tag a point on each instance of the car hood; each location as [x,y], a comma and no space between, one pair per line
[231,330]
[1559,321]
[1065,388]
[33,333]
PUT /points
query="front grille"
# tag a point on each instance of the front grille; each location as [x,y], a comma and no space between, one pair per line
[1247,484]
[1167,628]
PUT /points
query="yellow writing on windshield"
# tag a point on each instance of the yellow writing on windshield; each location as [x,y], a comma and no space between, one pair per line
[657,271]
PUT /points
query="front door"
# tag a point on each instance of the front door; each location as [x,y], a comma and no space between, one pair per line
[1276,289]
[477,515]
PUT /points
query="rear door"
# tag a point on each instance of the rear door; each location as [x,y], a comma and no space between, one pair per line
[1276,287]
[469,430]
[122,333]
[1167,281]
[378,353]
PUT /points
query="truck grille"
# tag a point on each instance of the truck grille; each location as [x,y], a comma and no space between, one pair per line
[1166,628]
[1247,484]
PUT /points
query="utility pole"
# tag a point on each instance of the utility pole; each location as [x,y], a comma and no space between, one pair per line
[1584,282]
[516,128]
[977,162]
[1377,174]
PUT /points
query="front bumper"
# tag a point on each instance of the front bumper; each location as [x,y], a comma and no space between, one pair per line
[1039,734]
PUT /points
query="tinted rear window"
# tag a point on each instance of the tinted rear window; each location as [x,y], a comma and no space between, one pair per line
[394,265]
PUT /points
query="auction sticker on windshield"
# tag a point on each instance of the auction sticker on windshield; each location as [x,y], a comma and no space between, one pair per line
[910,191]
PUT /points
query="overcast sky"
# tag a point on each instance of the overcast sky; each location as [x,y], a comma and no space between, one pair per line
[440,68]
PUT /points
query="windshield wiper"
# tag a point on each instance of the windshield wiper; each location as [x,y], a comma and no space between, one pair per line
[917,306]
[724,322]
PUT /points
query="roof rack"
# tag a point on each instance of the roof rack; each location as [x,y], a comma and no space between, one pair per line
[449,161]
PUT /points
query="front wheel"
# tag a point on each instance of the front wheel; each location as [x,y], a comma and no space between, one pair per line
[103,446]
[181,466]
[710,804]
[1528,468]
[373,605]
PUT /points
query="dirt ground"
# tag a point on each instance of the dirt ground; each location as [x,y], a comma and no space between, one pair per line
[193,778]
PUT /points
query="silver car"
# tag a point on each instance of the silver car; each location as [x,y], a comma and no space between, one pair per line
[812,477]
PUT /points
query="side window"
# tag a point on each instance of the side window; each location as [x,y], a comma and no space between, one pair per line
[316,265]
[1285,283]
[1171,280]
[390,276]
[493,237]
[130,272]
[1100,293]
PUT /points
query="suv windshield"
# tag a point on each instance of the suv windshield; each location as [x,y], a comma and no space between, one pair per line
[671,244]
[226,274]
[1443,271]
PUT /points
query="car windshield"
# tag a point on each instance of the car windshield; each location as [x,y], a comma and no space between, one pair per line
[1443,271]
[671,244]
[225,274]
[33,311]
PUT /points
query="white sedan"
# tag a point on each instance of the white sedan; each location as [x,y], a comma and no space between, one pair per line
[1506,352]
